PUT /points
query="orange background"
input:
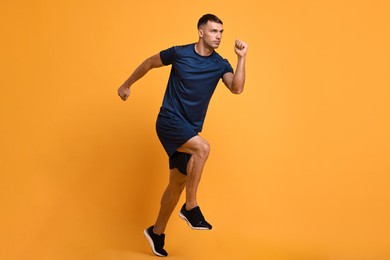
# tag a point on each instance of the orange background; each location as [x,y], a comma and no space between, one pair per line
[299,167]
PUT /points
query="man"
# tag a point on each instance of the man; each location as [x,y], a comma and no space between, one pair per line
[196,70]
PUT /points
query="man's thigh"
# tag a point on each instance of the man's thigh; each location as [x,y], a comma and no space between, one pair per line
[193,145]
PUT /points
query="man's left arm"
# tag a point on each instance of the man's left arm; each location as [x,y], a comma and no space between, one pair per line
[235,82]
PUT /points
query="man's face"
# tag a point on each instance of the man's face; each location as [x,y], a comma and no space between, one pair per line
[211,33]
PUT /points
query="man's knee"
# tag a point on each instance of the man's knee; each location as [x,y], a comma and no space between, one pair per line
[196,146]
[177,180]
[203,149]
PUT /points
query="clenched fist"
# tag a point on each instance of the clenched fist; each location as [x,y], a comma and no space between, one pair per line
[124,92]
[240,48]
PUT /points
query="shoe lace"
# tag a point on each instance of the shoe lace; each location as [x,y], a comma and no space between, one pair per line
[160,240]
[198,216]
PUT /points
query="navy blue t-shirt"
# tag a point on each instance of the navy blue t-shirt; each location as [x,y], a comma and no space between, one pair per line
[192,82]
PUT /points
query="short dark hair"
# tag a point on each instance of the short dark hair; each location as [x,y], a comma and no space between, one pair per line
[208,17]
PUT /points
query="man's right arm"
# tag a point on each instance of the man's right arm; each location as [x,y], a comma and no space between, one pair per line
[150,63]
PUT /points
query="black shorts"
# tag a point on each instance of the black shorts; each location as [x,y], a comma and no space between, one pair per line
[173,132]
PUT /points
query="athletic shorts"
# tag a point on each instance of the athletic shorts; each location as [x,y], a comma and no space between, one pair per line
[173,132]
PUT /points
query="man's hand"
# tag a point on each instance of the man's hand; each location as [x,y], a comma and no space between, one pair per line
[240,48]
[124,91]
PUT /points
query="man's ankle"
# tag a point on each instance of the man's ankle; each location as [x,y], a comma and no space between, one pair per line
[190,206]
[156,231]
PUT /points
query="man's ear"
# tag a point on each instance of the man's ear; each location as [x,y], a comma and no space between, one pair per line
[200,32]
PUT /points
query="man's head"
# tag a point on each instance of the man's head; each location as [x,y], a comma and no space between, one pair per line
[208,17]
[210,29]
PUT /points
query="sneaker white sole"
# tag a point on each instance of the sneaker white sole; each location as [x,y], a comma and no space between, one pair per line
[189,224]
[151,243]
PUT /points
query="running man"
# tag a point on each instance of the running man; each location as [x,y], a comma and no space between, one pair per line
[195,73]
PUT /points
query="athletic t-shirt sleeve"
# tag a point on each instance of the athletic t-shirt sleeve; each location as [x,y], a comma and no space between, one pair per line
[167,56]
[228,67]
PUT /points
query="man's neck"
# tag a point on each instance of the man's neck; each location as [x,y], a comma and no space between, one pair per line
[202,50]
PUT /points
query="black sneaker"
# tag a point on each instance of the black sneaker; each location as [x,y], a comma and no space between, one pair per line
[194,218]
[156,242]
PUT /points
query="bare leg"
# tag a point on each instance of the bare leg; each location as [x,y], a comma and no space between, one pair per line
[199,148]
[169,200]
